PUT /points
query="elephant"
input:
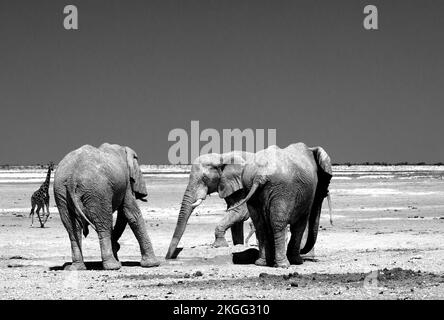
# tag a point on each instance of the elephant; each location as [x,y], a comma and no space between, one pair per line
[89,185]
[204,179]
[285,187]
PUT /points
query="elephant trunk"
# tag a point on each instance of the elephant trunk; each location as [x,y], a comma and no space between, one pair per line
[313,226]
[315,214]
[185,212]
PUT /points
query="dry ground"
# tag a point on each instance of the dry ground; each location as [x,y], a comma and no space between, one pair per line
[387,242]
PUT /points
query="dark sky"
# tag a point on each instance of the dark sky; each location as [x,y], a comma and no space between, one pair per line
[137,69]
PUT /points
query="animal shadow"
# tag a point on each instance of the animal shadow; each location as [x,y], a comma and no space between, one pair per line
[250,255]
[95,265]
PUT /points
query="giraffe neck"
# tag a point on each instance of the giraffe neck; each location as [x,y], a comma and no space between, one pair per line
[45,185]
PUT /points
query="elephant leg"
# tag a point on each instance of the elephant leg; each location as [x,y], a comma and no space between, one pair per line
[237,232]
[137,224]
[235,220]
[258,222]
[297,231]
[117,232]
[76,250]
[279,213]
[101,216]
[109,262]
[75,236]
[279,233]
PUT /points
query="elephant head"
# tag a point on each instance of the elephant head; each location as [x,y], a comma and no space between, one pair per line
[205,179]
[138,185]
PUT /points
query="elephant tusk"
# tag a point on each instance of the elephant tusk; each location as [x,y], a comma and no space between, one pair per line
[329,208]
[197,203]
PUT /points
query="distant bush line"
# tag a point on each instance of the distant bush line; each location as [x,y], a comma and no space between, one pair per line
[388,164]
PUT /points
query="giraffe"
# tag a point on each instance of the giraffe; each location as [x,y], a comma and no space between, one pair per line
[40,198]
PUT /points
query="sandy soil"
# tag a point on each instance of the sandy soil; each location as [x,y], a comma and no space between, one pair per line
[387,242]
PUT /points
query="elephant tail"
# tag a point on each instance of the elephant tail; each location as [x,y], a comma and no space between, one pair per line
[324,173]
[83,220]
[253,189]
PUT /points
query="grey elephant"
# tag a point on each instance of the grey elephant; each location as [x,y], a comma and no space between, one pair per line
[204,179]
[285,186]
[89,185]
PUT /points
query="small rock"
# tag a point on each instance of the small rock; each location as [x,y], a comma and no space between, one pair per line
[198,274]
[294,284]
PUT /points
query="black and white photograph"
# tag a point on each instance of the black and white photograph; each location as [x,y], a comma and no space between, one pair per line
[241,150]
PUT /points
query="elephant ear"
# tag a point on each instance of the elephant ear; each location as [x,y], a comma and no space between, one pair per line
[136,177]
[325,172]
[130,156]
[231,176]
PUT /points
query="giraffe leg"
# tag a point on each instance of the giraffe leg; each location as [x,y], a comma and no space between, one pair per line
[38,215]
[31,214]
[47,213]
[32,209]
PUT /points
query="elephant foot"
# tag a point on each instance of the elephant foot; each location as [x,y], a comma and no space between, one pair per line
[111,264]
[75,266]
[149,262]
[220,242]
[261,262]
[284,263]
[296,260]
